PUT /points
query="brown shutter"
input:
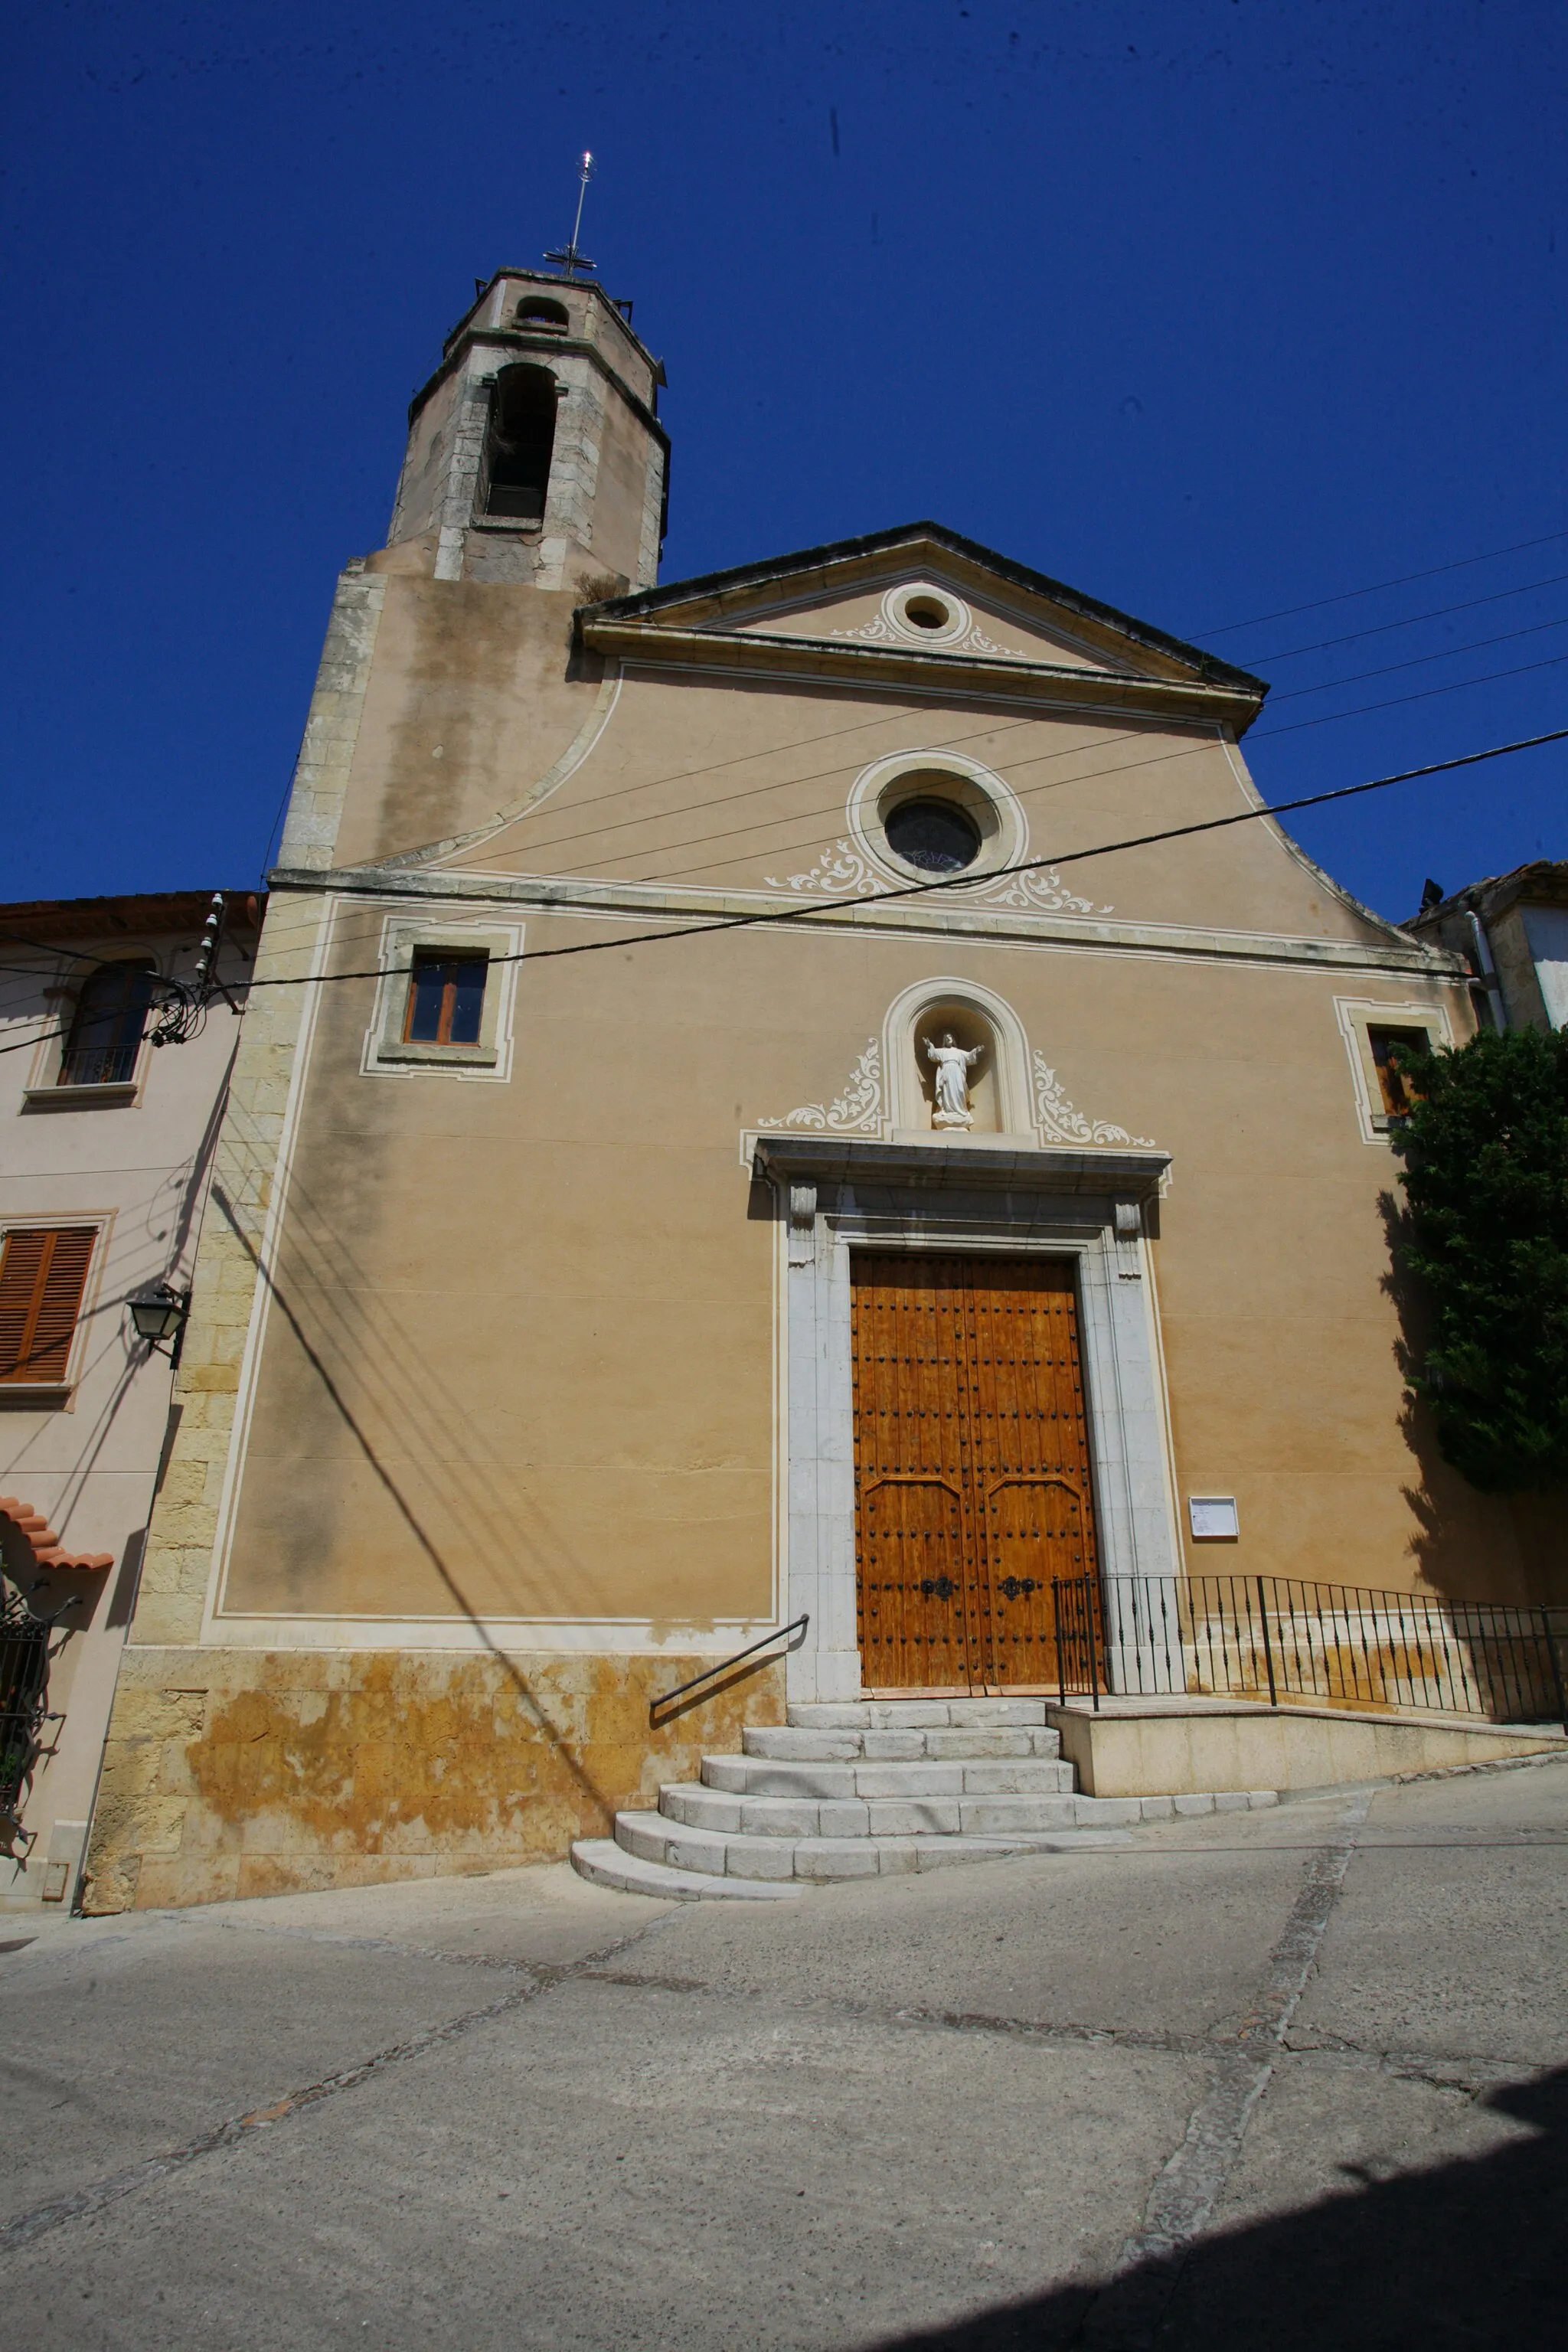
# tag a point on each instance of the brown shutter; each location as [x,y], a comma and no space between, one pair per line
[43,1272]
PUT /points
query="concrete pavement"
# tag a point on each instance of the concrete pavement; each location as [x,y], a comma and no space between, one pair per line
[1255,2081]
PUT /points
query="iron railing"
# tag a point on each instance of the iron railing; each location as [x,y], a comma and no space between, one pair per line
[1278,1639]
[24,1703]
[99,1065]
[714,1673]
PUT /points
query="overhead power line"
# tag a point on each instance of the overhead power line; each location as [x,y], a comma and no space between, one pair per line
[552,843]
[774,918]
[1433,612]
[1462,563]
[1026,791]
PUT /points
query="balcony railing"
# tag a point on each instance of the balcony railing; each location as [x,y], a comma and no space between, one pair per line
[98,1065]
[1277,1639]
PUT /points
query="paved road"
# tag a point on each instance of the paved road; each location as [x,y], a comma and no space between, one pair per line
[1273,2080]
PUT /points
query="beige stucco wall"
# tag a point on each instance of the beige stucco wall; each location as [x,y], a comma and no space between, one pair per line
[514,1363]
[519,1359]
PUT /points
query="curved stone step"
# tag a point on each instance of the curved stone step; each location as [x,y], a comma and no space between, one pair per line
[917,1813]
[982,1776]
[799,1743]
[608,1864]
[651,1838]
[912,1714]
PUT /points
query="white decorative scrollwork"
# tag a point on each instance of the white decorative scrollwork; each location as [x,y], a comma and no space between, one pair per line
[857,1111]
[1062,1124]
[880,631]
[840,869]
[1042,891]
[876,631]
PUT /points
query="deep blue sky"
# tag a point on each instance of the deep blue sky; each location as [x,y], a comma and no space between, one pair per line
[1210,307]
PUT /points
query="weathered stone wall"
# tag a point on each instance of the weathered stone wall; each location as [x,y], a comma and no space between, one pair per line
[240,1772]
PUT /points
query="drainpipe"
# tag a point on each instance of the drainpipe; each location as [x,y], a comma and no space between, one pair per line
[1487,969]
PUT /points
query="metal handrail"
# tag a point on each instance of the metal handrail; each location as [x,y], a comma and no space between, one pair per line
[779,1633]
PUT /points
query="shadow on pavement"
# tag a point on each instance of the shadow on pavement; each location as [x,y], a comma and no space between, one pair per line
[1471,2253]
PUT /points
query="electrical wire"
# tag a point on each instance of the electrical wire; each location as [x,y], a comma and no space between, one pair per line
[1026,791]
[1462,563]
[24,1044]
[1229,628]
[552,843]
[1437,613]
[775,917]
[1415,661]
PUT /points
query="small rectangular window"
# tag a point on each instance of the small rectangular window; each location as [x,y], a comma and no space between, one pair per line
[446,999]
[1394,1085]
[43,1272]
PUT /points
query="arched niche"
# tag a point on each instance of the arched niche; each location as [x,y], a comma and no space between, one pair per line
[973,1016]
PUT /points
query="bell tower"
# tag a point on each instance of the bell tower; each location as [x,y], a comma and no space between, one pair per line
[535,454]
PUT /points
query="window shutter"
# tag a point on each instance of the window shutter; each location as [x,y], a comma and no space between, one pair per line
[43,1272]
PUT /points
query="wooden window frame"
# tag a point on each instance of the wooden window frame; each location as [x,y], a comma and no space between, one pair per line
[19,1384]
[1400,1032]
[451,957]
[1358,1017]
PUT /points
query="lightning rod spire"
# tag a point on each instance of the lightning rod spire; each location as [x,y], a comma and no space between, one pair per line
[569,258]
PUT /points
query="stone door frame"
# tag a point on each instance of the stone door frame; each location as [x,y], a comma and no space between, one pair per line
[978,1196]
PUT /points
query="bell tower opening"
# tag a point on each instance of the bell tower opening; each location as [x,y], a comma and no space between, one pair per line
[520,444]
[535,457]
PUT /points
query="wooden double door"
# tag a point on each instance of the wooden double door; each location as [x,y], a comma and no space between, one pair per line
[972,1472]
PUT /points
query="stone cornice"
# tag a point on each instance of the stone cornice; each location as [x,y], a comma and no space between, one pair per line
[836,568]
[644,902]
[978,1161]
[755,653]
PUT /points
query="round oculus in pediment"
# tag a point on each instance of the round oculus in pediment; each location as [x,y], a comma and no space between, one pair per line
[926,616]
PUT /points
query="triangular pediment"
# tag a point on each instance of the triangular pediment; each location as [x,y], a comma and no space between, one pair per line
[920,595]
[920,609]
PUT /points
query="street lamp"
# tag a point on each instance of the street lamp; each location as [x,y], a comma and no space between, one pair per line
[160,1315]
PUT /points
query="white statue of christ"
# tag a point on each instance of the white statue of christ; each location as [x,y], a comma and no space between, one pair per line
[952,1067]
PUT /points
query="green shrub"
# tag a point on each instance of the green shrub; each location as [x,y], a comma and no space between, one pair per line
[1486,1231]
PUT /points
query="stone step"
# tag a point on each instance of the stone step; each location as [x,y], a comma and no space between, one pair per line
[912,1714]
[968,1776]
[886,1816]
[651,1838]
[798,1743]
[608,1864]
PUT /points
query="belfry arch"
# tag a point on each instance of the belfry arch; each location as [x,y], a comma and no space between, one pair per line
[520,445]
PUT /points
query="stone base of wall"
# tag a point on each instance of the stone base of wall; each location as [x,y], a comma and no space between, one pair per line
[1145,1748]
[239,1772]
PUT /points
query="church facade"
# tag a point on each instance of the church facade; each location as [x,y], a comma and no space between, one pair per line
[712,1147]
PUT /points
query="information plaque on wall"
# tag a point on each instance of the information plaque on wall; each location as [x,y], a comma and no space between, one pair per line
[1213,1518]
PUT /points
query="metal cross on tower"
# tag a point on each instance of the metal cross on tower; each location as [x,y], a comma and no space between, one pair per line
[570,259]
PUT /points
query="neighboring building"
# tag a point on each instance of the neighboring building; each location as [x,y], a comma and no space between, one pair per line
[107,1148]
[1514,931]
[581,1302]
